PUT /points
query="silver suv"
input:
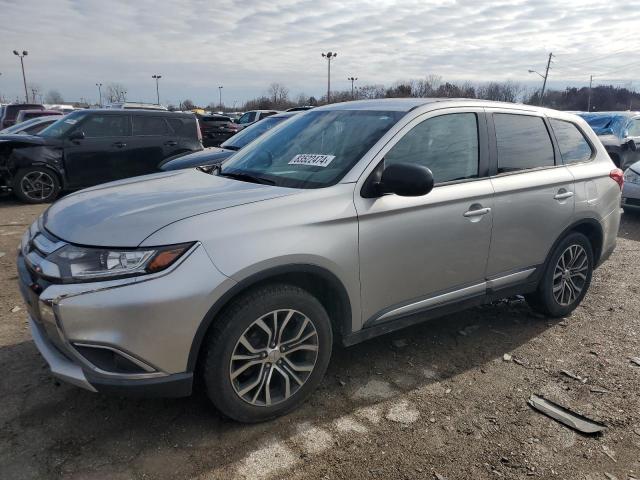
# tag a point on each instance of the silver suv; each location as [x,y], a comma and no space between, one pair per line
[345,222]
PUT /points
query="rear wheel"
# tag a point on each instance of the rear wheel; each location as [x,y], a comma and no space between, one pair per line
[566,278]
[36,185]
[267,353]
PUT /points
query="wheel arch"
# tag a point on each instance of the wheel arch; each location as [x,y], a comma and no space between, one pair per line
[318,281]
[590,228]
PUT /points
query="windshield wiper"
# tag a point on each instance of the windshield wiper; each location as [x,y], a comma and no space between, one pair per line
[247,178]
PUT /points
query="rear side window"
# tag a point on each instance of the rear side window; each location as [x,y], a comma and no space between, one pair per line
[573,146]
[447,145]
[523,142]
[185,127]
[634,128]
[147,125]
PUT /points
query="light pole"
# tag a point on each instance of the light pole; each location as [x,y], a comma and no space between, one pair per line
[157,77]
[24,78]
[544,77]
[99,85]
[329,56]
[220,87]
[352,79]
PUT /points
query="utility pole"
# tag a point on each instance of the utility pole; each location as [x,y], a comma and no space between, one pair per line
[220,87]
[546,75]
[329,56]
[157,77]
[99,85]
[24,78]
[589,98]
[352,79]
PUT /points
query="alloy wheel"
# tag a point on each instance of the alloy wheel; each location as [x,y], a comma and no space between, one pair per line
[37,185]
[274,357]
[570,274]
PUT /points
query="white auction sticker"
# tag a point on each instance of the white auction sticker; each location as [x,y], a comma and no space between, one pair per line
[312,159]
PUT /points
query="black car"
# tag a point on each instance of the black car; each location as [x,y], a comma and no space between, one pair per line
[619,132]
[216,129]
[88,147]
[215,156]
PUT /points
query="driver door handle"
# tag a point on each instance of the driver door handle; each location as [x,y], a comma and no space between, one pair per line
[171,143]
[477,212]
[119,144]
[563,195]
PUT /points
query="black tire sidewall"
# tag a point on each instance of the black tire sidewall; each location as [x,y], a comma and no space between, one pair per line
[234,321]
[545,294]
[17,182]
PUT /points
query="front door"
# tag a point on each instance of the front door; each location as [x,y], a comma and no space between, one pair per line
[98,157]
[420,252]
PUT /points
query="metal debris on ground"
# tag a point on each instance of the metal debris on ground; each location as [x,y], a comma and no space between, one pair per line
[609,453]
[635,360]
[565,416]
[506,357]
[598,390]
[610,476]
[574,376]
[15,309]
[439,477]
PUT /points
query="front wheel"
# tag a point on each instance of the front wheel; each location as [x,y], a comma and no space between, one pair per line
[566,278]
[36,185]
[267,352]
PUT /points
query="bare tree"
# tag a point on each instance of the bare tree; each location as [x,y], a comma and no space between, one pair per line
[279,94]
[116,92]
[188,105]
[53,97]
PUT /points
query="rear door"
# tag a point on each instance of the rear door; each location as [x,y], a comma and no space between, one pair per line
[534,194]
[102,154]
[153,141]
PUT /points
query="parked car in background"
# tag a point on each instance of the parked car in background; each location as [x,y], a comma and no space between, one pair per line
[134,106]
[29,114]
[215,156]
[216,129]
[631,191]
[252,116]
[346,222]
[10,112]
[619,132]
[62,108]
[88,147]
[30,127]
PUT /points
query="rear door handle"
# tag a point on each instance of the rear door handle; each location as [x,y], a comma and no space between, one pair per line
[477,213]
[563,195]
[171,143]
[120,144]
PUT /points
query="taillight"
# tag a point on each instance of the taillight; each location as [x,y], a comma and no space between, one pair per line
[617,176]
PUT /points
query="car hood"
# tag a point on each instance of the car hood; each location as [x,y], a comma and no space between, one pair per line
[208,156]
[124,213]
[22,140]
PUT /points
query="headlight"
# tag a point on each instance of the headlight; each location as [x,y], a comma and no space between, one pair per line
[85,264]
[631,176]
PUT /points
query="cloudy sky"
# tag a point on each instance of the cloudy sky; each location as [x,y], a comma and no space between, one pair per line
[245,45]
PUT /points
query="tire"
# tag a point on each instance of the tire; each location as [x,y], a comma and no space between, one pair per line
[36,185]
[227,381]
[559,292]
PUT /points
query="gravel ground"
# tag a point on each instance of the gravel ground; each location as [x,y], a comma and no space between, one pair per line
[433,401]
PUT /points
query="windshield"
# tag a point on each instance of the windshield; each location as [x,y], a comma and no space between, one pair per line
[252,132]
[17,128]
[312,150]
[63,126]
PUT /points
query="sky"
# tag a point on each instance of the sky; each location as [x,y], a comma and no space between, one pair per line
[245,45]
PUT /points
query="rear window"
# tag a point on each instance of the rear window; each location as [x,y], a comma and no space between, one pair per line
[148,126]
[11,111]
[185,127]
[523,142]
[573,146]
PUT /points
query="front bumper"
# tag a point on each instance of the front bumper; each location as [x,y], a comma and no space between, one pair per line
[147,323]
[631,195]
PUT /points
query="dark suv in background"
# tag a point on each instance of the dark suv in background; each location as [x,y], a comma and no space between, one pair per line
[89,147]
[10,112]
[619,132]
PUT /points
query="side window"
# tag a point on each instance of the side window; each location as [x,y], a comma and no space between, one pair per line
[523,142]
[247,117]
[145,125]
[634,128]
[447,145]
[574,147]
[106,126]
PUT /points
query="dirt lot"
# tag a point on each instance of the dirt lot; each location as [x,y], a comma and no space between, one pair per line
[433,401]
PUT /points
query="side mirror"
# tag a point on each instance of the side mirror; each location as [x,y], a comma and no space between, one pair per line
[631,143]
[406,180]
[76,135]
